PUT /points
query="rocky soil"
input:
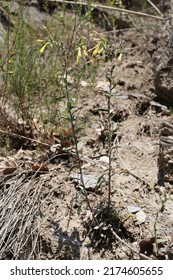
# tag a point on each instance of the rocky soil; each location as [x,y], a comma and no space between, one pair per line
[42,214]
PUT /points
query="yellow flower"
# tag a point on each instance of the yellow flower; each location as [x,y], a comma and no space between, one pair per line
[120,57]
[43,48]
[79,54]
[84,51]
[96,50]
[91,60]
[40,41]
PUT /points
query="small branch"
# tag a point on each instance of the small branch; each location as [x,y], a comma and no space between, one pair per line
[98,6]
[131,172]
[154,6]
[23,137]
[127,245]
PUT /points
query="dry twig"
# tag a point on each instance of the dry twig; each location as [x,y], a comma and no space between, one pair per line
[132,249]
[132,173]
[98,6]
[154,6]
[24,137]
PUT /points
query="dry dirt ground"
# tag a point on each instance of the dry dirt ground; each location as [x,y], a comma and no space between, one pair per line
[45,216]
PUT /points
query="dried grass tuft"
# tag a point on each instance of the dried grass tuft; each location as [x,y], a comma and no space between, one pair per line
[20,217]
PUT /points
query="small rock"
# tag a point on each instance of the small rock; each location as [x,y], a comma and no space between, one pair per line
[131,178]
[90,182]
[133,209]
[101,85]
[104,159]
[83,83]
[140,217]
[104,86]
[122,96]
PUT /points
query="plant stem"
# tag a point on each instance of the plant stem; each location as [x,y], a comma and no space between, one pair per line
[109,149]
[109,128]
[71,116]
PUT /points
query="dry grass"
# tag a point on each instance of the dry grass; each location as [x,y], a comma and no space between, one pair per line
[21,197]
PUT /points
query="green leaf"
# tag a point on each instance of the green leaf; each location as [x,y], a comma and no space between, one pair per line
[65,118]
[107,133]
[109,79]
[69,105]
[102,110]
[112,69]
[79,210]
[78,129]
[107,95]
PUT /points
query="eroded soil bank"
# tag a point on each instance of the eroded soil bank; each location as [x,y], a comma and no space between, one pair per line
[42,215]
